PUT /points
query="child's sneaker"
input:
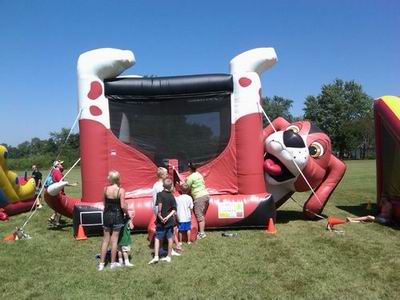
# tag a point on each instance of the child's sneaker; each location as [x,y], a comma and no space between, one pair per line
[154,260]
[167,259]
[201,235]
[128,264]
[189,243]
[174,253]
[100,267]
[54,223]
[115,265]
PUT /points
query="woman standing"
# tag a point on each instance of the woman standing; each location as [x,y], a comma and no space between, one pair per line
[200,197]
[113,218]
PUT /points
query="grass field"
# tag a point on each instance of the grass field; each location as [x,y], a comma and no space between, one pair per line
[302,260]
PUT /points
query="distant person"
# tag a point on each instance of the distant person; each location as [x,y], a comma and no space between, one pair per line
[184,213]
[124,243]
[200,196]
[113,218]
[165,222]
[56,174]
[37,176]
[383,218]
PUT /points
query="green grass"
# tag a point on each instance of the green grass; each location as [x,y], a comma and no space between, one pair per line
[301,261]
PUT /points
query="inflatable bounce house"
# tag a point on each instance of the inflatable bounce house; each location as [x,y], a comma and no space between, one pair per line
[134,124]
[387,137]
[16,194]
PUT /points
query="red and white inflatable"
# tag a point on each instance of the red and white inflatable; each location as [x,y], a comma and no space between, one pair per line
[223,116]
[134,124]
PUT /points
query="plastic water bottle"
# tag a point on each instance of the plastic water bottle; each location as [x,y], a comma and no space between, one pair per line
[225,234]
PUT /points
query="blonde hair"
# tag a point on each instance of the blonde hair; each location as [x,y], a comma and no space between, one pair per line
[113,177]
[161,171]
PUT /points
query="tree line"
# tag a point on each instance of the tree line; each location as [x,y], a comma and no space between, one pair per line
[342,109]
[43,152]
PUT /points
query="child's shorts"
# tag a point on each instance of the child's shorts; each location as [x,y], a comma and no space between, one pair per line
[164,232]
[184,226]
[124,248]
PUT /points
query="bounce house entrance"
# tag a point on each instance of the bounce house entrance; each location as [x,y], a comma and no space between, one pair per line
[191,124]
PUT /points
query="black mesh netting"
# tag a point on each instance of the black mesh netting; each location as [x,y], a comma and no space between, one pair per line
[195,128]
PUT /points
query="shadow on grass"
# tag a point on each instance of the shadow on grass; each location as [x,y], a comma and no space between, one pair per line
[60,227]
[361,210]
[285,216]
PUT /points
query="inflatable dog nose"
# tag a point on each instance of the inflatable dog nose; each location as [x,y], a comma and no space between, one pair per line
[292,139]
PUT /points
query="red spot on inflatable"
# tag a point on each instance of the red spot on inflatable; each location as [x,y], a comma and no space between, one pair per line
[244,81]
[95,90]
[95,111]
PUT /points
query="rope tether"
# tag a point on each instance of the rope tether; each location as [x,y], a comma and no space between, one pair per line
[34,208]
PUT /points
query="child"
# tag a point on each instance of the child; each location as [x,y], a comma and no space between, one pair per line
[124,243]
[184,206]
[165,222]
[162,174]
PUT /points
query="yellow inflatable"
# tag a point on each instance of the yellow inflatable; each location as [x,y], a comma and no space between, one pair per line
[10,188]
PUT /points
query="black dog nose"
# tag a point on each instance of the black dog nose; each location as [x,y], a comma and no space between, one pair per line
[292,139]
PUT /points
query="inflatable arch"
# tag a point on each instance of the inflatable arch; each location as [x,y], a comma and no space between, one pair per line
[16,194]
[134,124]
[387,138]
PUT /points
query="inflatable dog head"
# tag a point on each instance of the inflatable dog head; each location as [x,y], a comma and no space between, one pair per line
[295,147]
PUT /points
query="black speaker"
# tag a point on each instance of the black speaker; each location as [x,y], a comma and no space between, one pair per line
[91,219]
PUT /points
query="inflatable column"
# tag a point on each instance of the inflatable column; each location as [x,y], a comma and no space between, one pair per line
[246,69]
[93,67]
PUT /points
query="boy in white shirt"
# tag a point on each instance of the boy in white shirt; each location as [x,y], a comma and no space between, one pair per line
[184,212]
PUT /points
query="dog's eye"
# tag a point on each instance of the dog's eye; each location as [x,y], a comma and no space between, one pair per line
[316,150]
[293,128]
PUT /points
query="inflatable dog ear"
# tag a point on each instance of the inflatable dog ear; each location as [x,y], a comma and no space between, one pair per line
[279,124]
[334,174]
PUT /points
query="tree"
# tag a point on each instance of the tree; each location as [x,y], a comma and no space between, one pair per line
[341,109]
[277,107]
[44,152]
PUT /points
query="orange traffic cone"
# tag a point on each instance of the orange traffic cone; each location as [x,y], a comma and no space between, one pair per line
[332,221]
[10,237]
[81,234]
[270,226]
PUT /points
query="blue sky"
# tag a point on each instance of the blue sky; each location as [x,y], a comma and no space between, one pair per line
[316,42]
